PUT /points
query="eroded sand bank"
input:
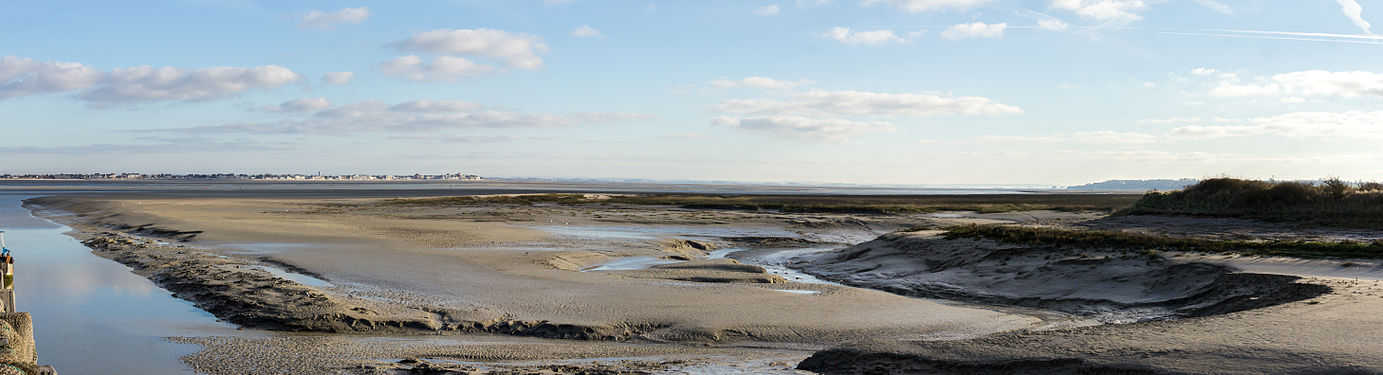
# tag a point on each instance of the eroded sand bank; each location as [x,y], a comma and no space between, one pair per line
[1237,314]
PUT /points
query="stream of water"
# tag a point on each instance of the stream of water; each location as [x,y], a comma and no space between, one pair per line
[92,315]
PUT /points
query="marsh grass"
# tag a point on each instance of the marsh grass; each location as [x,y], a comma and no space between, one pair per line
[1150,245]
[871,204]
[1332,203]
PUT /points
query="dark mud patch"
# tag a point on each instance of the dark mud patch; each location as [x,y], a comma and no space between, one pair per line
[1109,286]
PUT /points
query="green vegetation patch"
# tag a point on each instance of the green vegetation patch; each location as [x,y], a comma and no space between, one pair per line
[1333,203]
[873,204]
[1147,244]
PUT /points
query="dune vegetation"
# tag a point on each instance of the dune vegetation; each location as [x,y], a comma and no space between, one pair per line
[1331,203]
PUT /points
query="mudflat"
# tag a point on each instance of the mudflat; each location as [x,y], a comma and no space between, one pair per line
[545,271]
[609,282]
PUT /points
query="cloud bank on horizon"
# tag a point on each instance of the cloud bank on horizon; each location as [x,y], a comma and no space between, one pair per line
[863,91]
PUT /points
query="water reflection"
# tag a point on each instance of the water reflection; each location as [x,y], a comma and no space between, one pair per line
[92,315]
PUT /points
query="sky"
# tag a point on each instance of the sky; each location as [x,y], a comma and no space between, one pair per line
[1052,92]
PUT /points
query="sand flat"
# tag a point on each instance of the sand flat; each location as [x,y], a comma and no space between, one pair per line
[442,256]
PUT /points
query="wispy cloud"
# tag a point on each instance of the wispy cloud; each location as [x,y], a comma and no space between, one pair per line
[975,30]
[804,127]
[586,31]
[869,104]
[1355,13]
[1216,6]
[863,37]
[759,82]
[338,78]
[517,50]
[1296,84]
[1283,35]
[1103,10]
[1297,125]
[320,20]
[23,76]
[407,117]
[915,6]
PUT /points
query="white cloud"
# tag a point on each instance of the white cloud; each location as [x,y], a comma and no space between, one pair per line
[24,76]
[759,83]
[1320,82]
[1091,137]
[427,105]
[853,37]
[860,103]
[301,105]
[338,78]
[1216,6]
[803,127]
[1114,137]
[415,116]
[317,19]
[441,69]
[1052,24]
[1301,125]
[1227,89]
[21,76]
[518,50]
[1303,83]
[1355,13]
[975,30]
[586,31]
[1202,71]
[146,83]
[686,136]
[767,10]
[1020,139]
[915,6]
[1103,10]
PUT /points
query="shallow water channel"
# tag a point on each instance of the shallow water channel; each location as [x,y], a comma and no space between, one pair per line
[91,314]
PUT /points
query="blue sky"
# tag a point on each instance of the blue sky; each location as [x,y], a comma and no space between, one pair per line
[858,91]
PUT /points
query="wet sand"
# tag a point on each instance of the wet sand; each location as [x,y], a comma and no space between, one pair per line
[1336,333]
[510,270]
[1191,313]
[649,288]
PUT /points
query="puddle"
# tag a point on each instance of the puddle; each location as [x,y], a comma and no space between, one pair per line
[722,253]
[630,263]
[661,231]
[775,261]
[296,277]
[263,248]
[772,260]
[797,291]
